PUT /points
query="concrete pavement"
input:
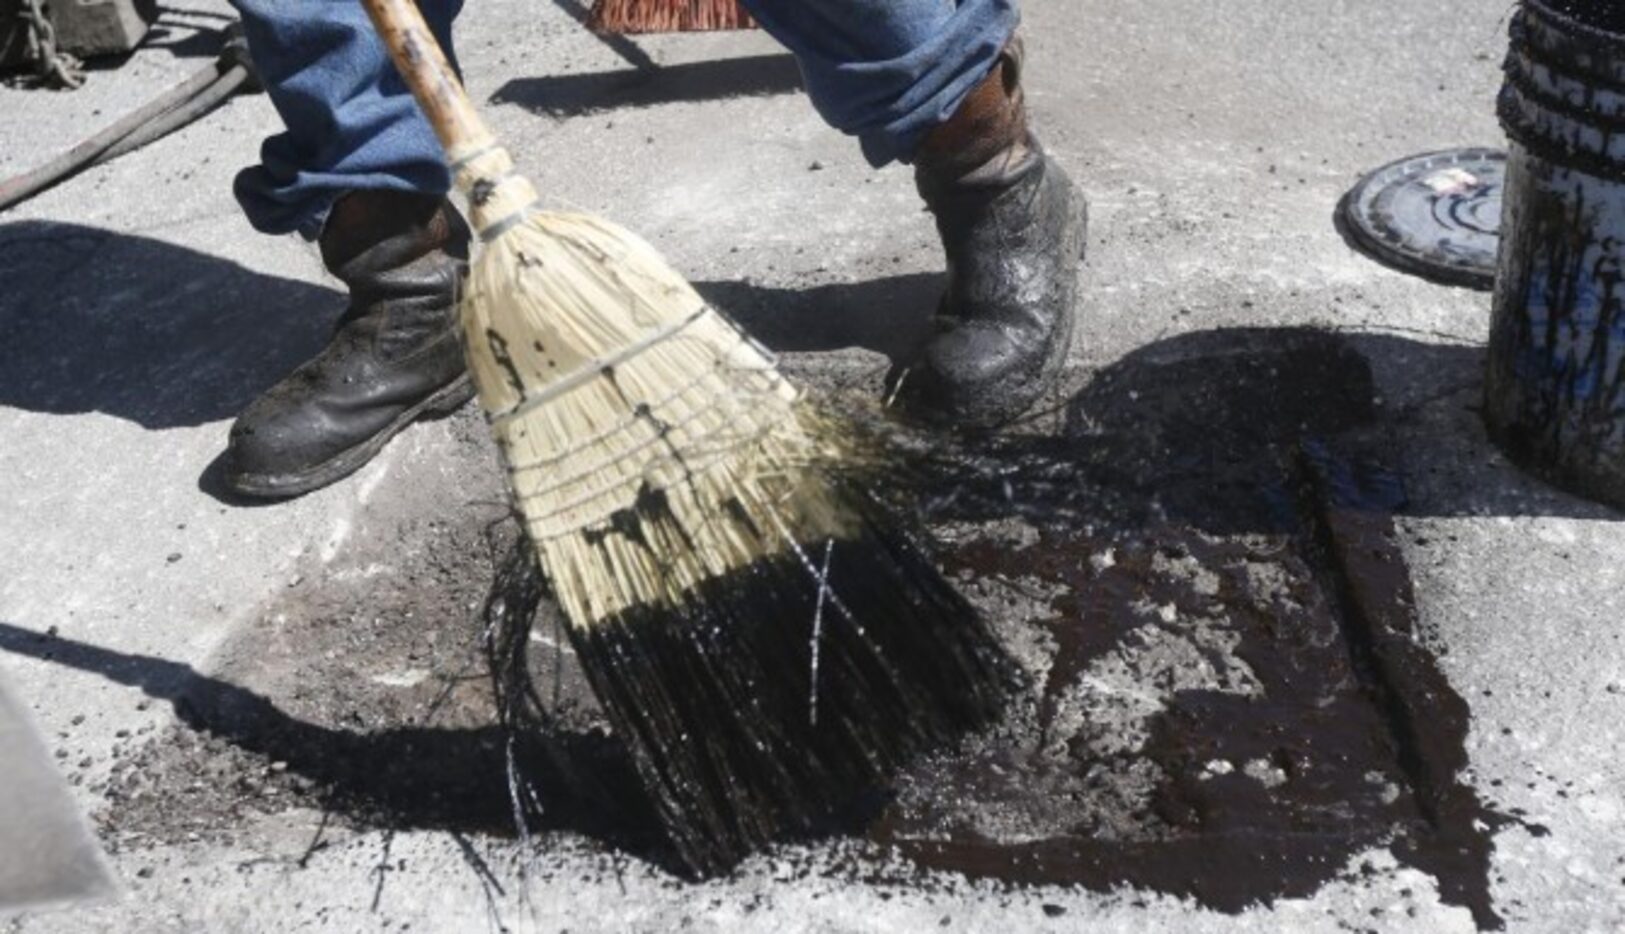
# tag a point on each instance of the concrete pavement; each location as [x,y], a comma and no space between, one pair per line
[1214,141]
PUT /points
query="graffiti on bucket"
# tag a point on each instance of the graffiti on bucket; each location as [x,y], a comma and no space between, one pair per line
[1576,320]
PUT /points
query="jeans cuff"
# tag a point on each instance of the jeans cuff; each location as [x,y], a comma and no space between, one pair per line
[314,223]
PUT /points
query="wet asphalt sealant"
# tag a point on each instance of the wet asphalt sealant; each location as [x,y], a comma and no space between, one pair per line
[1232,702]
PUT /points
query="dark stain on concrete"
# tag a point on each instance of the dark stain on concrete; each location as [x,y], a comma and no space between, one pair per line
[1198,544]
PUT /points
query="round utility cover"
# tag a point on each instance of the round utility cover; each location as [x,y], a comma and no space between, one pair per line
[1437,216]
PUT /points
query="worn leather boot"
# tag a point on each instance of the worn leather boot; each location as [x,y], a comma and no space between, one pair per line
[395,356]
[1013,227]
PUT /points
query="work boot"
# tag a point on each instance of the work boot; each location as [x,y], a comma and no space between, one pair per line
[1013,227]
[396,355]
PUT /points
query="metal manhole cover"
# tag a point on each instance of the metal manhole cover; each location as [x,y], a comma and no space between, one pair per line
[1436,215]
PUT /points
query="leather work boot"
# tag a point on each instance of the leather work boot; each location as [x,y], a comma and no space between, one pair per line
[1013,226]
[395,356]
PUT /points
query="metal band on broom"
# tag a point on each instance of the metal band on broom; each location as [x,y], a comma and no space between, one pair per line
[760,634]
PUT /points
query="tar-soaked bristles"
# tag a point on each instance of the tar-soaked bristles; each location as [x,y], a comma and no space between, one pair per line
[716,691]
[643,16]
[715,700]
[700,526]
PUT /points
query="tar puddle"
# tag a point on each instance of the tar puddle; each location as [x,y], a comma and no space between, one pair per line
[1203,581]
[1199,575]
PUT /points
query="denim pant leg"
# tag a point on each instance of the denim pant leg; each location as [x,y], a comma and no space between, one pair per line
[888,71]
[350,120]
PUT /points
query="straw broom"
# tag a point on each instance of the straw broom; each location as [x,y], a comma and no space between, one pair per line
[758,631]
[641,16]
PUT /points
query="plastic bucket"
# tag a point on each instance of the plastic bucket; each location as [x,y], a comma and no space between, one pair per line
[1555,390]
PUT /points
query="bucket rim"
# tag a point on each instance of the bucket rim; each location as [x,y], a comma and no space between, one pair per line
[1544,9]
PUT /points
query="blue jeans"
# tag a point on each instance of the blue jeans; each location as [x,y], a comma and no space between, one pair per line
[885,71]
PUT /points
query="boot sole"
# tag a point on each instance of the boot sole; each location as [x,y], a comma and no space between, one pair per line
[446,400]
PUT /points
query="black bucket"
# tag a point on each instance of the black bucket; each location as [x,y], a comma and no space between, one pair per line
[1555,392]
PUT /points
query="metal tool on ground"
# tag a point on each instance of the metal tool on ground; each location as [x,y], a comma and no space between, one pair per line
[47,855]
[52,38]
[765,639]
[181,105]
[1436,215]
[30,39]
[641,16]
[1555,389]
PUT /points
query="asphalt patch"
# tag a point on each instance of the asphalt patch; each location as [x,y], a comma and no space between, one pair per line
[1232,701]
[1200,575]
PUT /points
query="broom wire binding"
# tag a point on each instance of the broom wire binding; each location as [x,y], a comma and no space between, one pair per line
[537,399]
[612,429]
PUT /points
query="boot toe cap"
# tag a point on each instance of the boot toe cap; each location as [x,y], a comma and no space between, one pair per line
[974,378]
[271,446]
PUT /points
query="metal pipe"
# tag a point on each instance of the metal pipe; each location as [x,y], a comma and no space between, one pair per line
[176,107]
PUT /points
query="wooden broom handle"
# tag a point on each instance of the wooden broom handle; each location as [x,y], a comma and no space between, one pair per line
[434,83]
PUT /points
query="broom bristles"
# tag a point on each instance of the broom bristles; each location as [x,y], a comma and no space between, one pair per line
[755,720]
[708,536]
[613,390]
[647,16]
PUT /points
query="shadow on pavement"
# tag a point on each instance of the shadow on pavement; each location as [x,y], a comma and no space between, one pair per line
[139,329]
[1187,423]
[718,79]
[890,315]
[1198,423]
[407,777]
[187,33]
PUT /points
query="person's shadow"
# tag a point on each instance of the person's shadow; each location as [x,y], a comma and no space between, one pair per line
[143,330]
[890,315]
[574,95]
[417,776]
[168,337]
